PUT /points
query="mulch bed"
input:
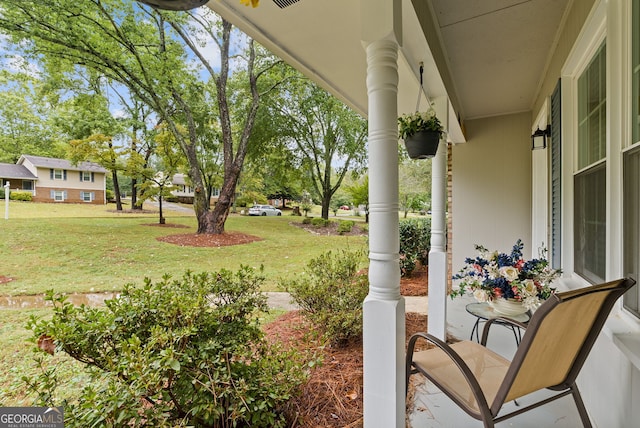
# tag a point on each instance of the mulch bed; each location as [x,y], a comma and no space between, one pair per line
[416,284]
[331,229]
[209,240]
[333,395]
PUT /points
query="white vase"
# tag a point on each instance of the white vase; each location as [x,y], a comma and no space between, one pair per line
[507,306]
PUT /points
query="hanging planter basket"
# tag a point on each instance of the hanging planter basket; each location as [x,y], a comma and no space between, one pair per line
[422,144]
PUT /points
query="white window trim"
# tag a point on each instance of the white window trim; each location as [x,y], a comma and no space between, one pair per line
[88,175]
[588,42]
[55,195]
[55,172]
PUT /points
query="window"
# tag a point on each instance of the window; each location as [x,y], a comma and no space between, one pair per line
[58,195]
[85,176]
[27,185]
[631,176]
[86,196]
[590,180]
[58,174]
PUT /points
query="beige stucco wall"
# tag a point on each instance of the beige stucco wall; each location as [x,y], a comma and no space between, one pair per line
[493,169]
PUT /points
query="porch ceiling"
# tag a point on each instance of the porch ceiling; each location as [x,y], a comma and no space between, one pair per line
[494,52]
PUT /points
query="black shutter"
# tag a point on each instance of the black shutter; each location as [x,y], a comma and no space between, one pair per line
[556,178]
[65,175]
[51,173]
[93,179]
[80,172]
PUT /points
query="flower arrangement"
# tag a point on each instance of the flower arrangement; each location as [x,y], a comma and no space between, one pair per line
[493,275]
[409,124]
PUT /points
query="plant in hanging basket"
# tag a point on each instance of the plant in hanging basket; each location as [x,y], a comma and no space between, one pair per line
[421,132]
[493,276]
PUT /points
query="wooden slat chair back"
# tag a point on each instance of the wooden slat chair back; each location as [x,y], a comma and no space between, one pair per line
[557,341]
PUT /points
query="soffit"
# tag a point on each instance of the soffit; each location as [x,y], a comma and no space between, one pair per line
[495,52]
[498,50]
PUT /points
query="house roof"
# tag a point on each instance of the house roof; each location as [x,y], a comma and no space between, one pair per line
[486,56]
[42,162]
[179,179]
[19,172]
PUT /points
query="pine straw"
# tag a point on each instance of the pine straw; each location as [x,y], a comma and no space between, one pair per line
[333,395]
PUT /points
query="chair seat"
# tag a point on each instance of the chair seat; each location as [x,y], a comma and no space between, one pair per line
[488,368]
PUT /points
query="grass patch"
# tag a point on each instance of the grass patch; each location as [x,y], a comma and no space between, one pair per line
[99,250]
[17,358]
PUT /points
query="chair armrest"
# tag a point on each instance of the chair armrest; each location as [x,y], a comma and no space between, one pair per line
[503,321]
[455,358]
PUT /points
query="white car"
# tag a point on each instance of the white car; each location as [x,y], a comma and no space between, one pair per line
[264,210]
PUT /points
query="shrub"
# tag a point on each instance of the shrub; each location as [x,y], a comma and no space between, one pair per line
[186,352]
[345,226]
[319,222]
[110,195]
[331,292]
[306,220]
[21,196]
[415,235]
[1,192]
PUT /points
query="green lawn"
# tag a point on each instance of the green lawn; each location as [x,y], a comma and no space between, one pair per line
[81,248]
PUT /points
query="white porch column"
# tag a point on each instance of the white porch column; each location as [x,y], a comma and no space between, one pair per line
[384,324]
[437,307]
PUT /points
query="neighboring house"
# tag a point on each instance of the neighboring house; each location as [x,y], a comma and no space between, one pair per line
[496,71]
[56,180]
[185,193]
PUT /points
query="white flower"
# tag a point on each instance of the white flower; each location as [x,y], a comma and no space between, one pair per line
[529,288]
[480,295]
[531,303]
[509,272]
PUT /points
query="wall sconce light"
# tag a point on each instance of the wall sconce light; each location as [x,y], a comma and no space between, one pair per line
[539,138]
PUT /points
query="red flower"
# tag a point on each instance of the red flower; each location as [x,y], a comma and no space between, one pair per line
[519,264]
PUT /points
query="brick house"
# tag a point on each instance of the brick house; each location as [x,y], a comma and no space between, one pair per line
[56,180]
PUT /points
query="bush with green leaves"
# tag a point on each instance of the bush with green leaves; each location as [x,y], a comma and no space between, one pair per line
[345,226]
[330,292]
[415,242]
[186,352]
[320,222]
[20,196]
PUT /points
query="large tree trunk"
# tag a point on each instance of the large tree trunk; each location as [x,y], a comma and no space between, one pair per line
[214,221]
[326,200]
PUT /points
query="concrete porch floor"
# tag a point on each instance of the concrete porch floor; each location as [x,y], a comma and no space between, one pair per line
[432,409]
